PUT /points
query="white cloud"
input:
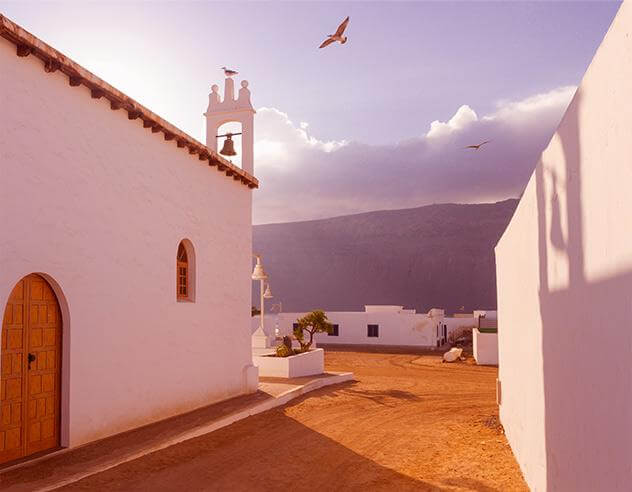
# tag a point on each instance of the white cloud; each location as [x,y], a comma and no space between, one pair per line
[275,126]
[463,117]
[552,100]
[303,177]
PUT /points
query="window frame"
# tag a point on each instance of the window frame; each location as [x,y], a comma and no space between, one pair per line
[188,264]
[369,328]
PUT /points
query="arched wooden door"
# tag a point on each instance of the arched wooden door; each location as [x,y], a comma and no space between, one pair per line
[31,370]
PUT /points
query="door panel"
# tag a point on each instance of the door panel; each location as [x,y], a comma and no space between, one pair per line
[31,370]
[44,337]
[12,376]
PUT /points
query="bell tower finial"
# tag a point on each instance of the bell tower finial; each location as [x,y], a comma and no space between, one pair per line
[229,109]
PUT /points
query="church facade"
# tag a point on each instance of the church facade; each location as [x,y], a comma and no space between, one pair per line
[125,256]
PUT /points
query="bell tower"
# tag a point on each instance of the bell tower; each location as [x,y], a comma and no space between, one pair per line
[230,109]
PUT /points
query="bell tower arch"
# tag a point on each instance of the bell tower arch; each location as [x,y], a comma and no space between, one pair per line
[238,110]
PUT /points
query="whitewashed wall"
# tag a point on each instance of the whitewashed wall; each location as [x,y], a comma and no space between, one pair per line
[485,348]
[99,204]
[564,271]
[485,313]
[269,323]
[395,328]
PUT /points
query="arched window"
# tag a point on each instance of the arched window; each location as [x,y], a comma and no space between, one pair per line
[183,274]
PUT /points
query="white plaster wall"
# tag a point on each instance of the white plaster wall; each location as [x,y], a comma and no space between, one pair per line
[485,347]
[99,204]
[269,323]
[564,261]
[485,313]
[383,309]
[395,328]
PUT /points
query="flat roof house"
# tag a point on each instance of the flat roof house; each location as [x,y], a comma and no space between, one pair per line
[378,325]
[125,255]
[384,325]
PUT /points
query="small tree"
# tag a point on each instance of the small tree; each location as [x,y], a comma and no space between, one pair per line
[312,323]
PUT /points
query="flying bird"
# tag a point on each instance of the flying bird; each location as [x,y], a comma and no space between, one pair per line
[338,36]
[228,72]
[476,147]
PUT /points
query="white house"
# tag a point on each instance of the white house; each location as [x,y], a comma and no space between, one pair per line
[125,255]
[564,276]
[376,325]
[395,326]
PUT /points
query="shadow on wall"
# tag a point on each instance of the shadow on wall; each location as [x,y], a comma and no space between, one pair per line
[586,343]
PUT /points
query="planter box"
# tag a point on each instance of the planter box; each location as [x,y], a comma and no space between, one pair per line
[294,366]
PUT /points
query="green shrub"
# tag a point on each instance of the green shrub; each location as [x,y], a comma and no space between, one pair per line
[283,351]
[287,341]
[312,323]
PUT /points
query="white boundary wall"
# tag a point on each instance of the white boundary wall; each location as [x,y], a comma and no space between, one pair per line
[269,323]
[564,271]
[485,347]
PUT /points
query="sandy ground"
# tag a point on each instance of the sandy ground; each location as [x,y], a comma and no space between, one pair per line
[408,423]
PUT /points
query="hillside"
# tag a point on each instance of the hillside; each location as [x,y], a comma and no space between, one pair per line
[431,256]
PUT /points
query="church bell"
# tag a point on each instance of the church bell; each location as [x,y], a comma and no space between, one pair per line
[228,148]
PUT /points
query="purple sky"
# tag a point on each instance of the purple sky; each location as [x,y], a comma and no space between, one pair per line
[368,105]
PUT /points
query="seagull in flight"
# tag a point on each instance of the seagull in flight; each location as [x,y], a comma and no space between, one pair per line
[228,72]
[338,36]
[476,147]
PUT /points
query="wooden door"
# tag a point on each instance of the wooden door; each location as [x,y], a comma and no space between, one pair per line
[31,370]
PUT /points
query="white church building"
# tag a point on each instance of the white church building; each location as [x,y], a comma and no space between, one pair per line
[125,255]
[564,271]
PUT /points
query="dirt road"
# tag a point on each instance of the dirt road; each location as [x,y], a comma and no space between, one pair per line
[408,423]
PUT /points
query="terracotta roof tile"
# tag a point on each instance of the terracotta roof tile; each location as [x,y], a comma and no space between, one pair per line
[28,44]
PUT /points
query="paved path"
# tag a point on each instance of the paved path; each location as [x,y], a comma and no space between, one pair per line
[69,466]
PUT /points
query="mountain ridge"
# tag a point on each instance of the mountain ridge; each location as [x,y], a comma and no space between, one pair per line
[438,255]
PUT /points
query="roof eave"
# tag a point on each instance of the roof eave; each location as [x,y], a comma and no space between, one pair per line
[28,44]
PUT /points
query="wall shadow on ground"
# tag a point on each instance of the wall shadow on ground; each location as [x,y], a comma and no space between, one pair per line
[382,349]
[387,398]
[274,451]
[283,455]
[586,342]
